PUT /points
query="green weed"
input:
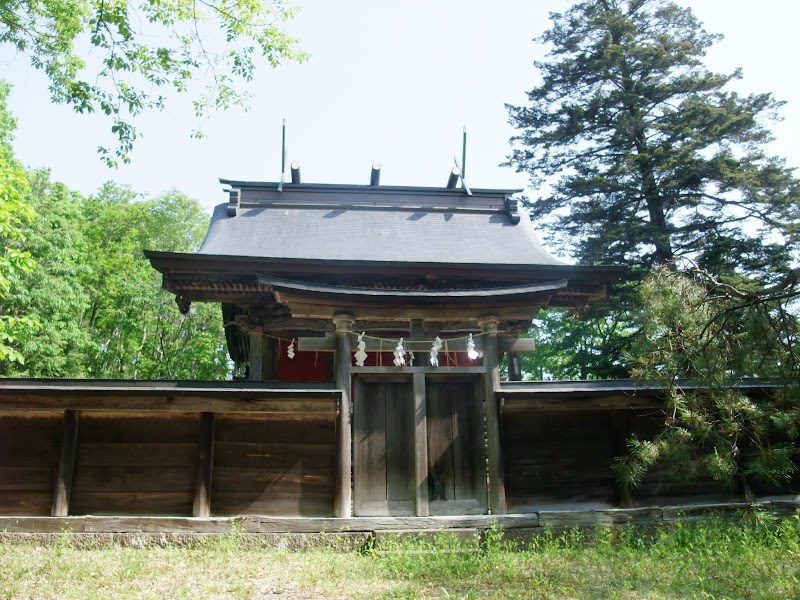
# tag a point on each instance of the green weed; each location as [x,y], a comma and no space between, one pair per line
[751,557]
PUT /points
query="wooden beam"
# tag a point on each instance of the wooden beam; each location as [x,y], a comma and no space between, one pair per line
[491,382]
[256,524]
[318,402]
[509,343]
[582,403]
[327,343]
[421,446]
[66,464]
[270,324]
[422,369]
[177,265]
[342,502]
[265,524]
[205,467]
[527,311]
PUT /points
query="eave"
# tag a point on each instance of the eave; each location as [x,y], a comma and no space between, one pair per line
[169,263]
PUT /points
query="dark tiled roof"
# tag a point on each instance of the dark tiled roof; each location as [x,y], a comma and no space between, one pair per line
[359,223]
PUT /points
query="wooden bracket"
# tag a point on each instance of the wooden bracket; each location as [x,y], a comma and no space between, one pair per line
[235,202]
[512,208]
[183,304]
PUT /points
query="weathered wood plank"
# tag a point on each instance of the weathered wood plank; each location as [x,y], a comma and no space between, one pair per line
[144,477]
[160,387]
[440,443]
[280,524]
[399,446]
[62,490]
[564,457]
[125,427]
[599,517]
[421,492]
[274,455]
[26,503]
[163,454]
[132,503]
[464,412]
[258,479]
[385,455]
[384,507]
[314,402]
[38,479]
[205,467]
[232,428]
[259,524]
[274,504]
[468,506]
[370,444]
[580,403]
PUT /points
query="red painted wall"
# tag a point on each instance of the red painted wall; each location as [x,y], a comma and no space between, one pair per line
[316,366]
[305,366]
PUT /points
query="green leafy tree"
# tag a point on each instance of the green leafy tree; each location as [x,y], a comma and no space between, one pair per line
[697,330]
[15,214]
[135,329]
[53,292]
[120,57]
[648,155]
[100,306]
[568,347]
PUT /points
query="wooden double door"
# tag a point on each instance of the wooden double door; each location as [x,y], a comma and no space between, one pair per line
[388,444]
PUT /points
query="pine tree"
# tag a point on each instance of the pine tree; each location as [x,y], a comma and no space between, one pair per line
[649,155]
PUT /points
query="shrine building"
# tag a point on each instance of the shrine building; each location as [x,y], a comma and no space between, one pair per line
[376,334]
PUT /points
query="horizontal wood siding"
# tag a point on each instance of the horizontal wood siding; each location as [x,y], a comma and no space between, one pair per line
[29,453]
[270,465]
[660,485]
[552,459]
[135,464]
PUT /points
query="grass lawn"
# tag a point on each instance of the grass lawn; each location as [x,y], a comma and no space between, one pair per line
[759,558]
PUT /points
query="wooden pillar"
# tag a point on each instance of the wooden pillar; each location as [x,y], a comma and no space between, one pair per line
[205,467]
[491,384]
[66,464]
[514,366]
[421,446]
[342,503]
[256,357]
[263,357]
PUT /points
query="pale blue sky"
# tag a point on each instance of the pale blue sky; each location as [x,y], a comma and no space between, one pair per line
[390,81]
